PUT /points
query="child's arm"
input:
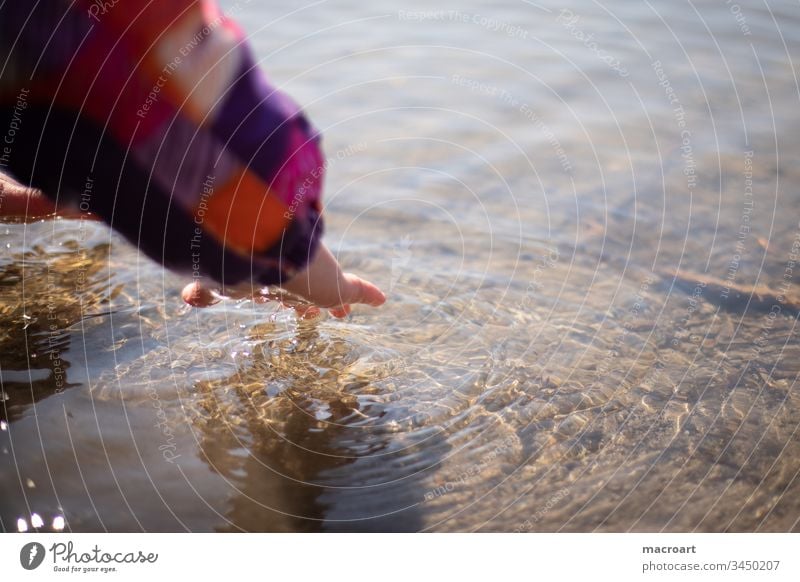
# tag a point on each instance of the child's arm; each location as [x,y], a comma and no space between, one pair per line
[161,122]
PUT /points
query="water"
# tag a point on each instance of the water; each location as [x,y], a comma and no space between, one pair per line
[525,193]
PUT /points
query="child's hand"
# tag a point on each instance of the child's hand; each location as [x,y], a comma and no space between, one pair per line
[322,283]
[27,204]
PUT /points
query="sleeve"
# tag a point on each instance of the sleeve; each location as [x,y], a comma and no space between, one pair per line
[162,109]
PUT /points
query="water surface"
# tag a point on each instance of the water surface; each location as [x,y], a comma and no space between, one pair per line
[525,183]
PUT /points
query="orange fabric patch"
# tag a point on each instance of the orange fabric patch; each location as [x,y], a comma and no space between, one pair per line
[244,215]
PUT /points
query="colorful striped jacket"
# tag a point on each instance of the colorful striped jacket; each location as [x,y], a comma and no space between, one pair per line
[155,115]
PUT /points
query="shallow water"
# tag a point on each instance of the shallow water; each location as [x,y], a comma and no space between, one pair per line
[525,196]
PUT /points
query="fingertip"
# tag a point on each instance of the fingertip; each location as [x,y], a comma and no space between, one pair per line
[197,295]
[377,302]
[374,296]
[341,312]
[369,293]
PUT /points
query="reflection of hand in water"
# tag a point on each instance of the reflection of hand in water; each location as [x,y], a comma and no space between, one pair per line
[292,405]
[323,282]
[63,285]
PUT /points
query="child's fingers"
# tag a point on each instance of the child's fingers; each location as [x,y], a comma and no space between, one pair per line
[360,291]
[21,201]
[352,290]
[31,204]
[341,311]
[196,295]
